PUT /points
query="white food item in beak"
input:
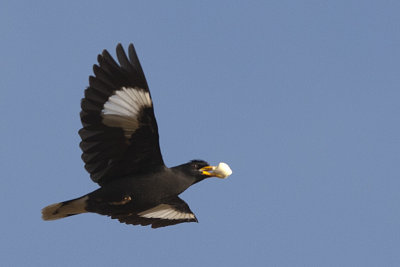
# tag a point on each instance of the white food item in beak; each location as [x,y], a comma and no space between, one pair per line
[222,170]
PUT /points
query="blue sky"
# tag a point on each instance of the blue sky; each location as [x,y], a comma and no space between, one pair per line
[301,98]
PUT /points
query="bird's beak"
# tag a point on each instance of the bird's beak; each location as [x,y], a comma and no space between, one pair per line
[220,171]
[208,170]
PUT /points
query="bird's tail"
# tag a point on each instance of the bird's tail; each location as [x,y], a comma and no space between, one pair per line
[64,209]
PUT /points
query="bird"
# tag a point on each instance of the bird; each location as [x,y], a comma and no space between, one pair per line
[121,151]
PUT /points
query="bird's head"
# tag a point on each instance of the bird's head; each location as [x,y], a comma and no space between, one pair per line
[201,170]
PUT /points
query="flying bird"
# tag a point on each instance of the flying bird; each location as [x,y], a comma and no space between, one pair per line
[121,151]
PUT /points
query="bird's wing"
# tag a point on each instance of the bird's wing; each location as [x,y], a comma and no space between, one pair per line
[120,133]
[170,212]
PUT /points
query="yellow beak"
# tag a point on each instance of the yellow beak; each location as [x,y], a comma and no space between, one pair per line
[207,170]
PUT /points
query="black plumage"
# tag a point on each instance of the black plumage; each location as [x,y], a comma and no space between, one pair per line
[121,151]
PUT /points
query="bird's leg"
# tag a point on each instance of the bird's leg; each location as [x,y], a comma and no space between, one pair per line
[125,200]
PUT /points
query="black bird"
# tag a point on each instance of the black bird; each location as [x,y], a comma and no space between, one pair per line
[122,153]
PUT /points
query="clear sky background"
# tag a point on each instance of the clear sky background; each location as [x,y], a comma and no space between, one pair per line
[301,98]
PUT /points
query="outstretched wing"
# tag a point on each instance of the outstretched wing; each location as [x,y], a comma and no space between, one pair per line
[170,212]
[120,133]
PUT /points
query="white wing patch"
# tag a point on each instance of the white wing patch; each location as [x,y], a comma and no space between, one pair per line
[123,107]
[167,212]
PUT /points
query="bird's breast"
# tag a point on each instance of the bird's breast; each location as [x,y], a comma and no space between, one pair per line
[147,188]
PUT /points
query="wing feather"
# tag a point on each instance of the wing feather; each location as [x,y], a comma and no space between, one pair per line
[120,132]
[170,212]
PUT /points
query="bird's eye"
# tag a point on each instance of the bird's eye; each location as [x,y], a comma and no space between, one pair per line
[196,166]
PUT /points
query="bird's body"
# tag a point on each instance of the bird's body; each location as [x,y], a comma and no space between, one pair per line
[147,188]
[122,154]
